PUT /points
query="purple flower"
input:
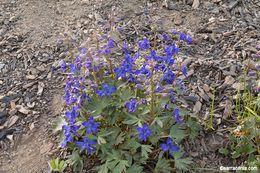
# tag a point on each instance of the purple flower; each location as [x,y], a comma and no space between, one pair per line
[72,114]
[83,50]
[87,144]
[144,132]
[176,113]
[131,105]
[186,38]
[143,71]
[69,132]
[63,65]
[144,44]
[170,50]
[165,37]
[184,70]
[158,89]
[125,68]
[168,77]
[91,126]
[111,43]
[106,90]
[169,146]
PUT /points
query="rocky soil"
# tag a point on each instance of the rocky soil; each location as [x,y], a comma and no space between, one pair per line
[32,45]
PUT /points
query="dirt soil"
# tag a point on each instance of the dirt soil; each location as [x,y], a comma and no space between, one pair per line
[225,33]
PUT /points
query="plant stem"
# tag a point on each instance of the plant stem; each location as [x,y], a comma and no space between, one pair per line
[152,95]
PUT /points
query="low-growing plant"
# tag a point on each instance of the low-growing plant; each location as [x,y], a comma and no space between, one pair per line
[245,140]
[124,105]
[57,165]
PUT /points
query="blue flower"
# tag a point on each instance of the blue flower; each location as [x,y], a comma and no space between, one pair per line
[106,90]
[169,146]
[165,37]
[126,67]
[131,105]
[82,50]
[170,50]
[177,115]
[63,65]
[184,70]
[186,38]
[91,125]
[72,115]
[69,132]
[144,44]
[144,132]
[110,43]
[168,77]
[87,144]
[158,89]
[143,71]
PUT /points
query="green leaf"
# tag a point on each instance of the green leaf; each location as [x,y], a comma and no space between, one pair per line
[162,165]
[146,149]
[135,169]
[101,140]
[177,133]
[103,168]
[120,138]
[131,122]
[223,151]
[76,161]
[194,128]
[235,154]
[58,123]
[97,105]
[121,166]
[180,162]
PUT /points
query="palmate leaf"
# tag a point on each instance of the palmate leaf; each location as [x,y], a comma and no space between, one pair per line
[121,166]
[76,161]
[115,163]
[182,163]
[120,138]
[177,134]
[135,169]
[103,168]
[146,149]
[97,105]
[162,165]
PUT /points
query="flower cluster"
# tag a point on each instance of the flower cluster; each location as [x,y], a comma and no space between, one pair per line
[123,96]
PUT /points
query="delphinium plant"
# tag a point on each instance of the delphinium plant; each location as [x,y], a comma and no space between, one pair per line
[123,107]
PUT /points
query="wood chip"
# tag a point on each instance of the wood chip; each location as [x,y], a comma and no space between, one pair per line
[197,107]
[195,4]
[22,110]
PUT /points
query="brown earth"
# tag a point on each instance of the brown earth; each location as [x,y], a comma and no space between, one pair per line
[224,35]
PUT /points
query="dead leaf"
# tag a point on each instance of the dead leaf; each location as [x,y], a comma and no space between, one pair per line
[11,121]
[229,80]
[195,4]
[22,109]
[197,107]
[228,109]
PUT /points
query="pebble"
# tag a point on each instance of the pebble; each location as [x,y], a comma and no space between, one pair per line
[2,65]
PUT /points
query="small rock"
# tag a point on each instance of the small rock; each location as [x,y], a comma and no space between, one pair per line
[178,20]
[31,77]
[22,109]
[229,80]
[2,65]
[40,88]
